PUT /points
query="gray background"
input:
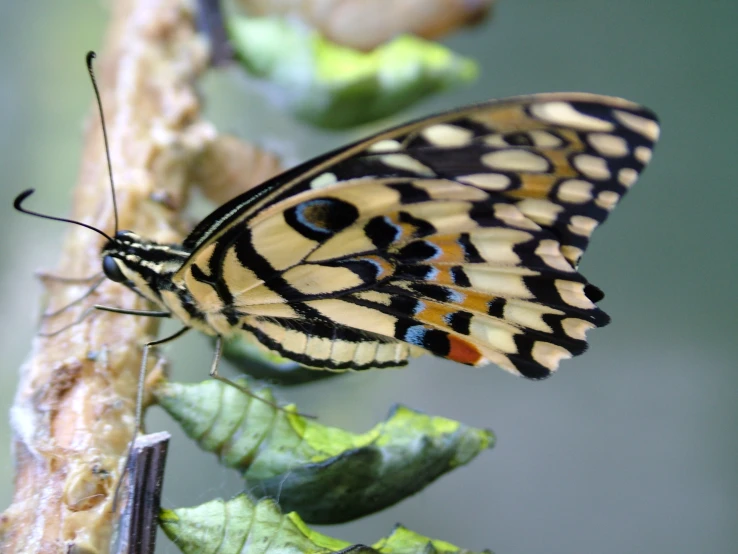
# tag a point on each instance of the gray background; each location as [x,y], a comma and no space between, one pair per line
[630,448]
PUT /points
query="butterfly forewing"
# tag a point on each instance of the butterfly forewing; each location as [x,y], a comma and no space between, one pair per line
[457,235]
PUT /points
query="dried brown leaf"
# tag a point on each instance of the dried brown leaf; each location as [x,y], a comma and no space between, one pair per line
[365,24]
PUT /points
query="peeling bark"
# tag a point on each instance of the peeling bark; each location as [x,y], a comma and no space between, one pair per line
[73,413]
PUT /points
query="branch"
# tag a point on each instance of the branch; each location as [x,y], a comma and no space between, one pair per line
[73,413]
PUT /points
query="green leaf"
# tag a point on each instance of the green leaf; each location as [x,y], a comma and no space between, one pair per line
[405,541]
[240,526]
[336,87]
[326,474]
[268,366]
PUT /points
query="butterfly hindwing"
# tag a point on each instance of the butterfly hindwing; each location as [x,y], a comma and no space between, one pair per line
[457,235]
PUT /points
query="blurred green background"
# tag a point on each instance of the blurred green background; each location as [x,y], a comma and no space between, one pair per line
[630,448]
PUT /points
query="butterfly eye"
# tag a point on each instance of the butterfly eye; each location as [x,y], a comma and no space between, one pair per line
[112,271]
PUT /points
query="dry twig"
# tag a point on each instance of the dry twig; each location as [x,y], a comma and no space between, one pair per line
[137,530]
[73,412]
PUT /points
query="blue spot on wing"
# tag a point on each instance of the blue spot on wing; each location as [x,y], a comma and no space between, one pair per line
[321,218]
[432,273]
[416,335]
[301,211]
[377,265]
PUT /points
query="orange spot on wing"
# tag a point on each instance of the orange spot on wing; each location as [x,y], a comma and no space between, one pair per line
[476,301]
[387,269]
[539,186]
[433,314]
[443,277]
[463,352]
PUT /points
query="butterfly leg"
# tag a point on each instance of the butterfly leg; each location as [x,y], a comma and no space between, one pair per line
[43,276]
[139,394]
[88,311]
[79,319]
[215,375]
[92,289]
[48,277]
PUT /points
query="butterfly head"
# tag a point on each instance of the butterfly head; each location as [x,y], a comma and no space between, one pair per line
[118,256]
[140,264]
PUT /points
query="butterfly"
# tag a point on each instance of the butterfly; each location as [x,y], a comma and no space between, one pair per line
[458,235]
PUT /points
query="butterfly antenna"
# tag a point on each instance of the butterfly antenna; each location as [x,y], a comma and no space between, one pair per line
[18,205]
[91,56]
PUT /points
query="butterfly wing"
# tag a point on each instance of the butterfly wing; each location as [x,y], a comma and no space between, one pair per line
[457,235]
